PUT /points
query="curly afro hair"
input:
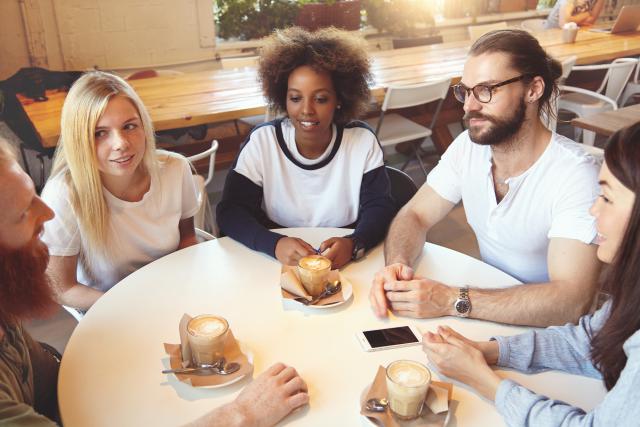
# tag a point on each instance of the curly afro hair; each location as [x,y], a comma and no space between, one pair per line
[337,52]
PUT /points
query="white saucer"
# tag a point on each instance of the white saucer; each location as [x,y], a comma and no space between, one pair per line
[245,350]
[347,292]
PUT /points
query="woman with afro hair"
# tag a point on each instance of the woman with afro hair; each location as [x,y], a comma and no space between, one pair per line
[317,166]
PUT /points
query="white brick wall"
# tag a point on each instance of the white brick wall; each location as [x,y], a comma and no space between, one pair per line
[116,34]
[110,34]
[13,43]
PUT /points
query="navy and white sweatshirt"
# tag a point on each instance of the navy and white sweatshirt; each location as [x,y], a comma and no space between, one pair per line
[271,185]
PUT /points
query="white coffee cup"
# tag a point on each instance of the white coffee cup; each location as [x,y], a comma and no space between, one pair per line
[407,386]
[569,33]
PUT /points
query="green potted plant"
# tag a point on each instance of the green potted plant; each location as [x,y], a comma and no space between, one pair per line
[410,22]
[251,19]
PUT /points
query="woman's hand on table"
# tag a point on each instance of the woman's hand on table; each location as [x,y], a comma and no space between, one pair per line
[463,360]
[289,250]
[338,250]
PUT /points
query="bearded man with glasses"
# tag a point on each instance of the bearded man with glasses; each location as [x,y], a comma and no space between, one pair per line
[526,193]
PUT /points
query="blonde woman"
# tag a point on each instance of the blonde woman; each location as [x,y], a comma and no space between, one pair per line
[119,204]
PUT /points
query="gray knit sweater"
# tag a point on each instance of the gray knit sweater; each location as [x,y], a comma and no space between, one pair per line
[567,348]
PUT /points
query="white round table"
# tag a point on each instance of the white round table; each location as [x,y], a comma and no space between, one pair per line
[111,369]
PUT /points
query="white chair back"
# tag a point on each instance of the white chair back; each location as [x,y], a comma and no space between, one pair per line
[477,31]
[211,153]
[618,73]
[409,96]
[204,217]
[534,25]
[632,88]
[618,76]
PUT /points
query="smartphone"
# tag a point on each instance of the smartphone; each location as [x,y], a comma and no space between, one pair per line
[382,339]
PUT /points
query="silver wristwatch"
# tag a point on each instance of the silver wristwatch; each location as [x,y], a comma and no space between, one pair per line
[462,305]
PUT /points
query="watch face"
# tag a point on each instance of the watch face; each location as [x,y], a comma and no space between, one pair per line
[462,306]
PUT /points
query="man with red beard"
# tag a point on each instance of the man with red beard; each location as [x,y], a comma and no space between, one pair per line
[526,194]
[29,372]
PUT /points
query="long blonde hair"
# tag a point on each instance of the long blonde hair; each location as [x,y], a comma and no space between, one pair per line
[75,157]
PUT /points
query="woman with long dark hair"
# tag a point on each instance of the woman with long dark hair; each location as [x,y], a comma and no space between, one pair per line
[603,345]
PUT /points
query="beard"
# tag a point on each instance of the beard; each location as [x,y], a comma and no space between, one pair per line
[501,131]
[25,288]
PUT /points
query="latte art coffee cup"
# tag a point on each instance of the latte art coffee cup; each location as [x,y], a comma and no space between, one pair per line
[314,273]
[207,335]
[407,385]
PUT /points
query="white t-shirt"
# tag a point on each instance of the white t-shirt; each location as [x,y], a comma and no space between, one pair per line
[549,200]
[142,231]
[298,192]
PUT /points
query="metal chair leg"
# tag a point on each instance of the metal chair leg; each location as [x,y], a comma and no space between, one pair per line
[418,158]
[416,154]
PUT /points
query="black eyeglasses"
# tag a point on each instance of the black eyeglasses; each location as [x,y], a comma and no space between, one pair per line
[482,92]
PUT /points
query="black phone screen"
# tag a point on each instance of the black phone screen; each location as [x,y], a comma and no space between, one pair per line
[391,336]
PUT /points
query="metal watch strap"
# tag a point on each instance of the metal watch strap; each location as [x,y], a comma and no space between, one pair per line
[462,305]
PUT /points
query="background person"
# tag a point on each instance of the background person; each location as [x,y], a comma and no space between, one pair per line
[582,12]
